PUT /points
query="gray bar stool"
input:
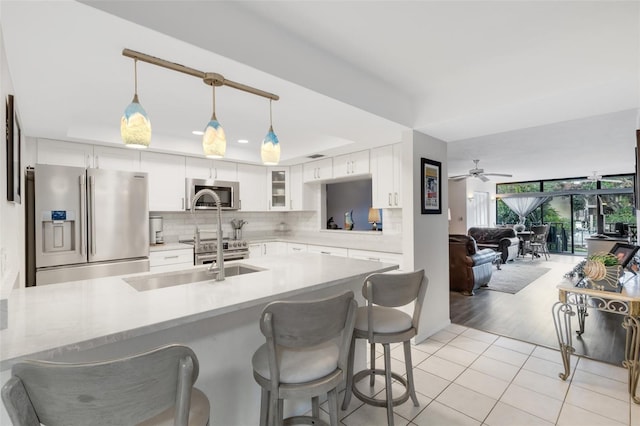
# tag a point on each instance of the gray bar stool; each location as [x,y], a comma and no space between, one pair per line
[305,355]
[379,322]
[152,388]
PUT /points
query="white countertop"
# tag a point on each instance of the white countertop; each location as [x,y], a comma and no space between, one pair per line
[48,320]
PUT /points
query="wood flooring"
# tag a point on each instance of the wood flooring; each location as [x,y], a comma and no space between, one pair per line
[527,316]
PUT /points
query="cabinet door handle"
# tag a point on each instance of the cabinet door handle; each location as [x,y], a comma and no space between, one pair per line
[97,162]
[390,199]
[215,173]
[171,257]
[396,198]
[325,252]
[182,202]
[269,204]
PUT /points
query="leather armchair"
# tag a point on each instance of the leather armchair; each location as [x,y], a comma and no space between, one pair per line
[503,240]
[469,267]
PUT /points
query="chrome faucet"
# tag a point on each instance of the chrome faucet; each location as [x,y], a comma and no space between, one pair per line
[219,265]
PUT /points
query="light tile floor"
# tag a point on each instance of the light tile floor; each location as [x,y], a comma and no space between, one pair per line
[469,377]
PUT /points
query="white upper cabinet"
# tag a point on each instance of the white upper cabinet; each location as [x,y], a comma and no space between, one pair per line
[301,198]
[166,180]
[205,168]
[350,165]
[386,163]
[278,190]
[61,153]
[105,157]
[253,187]
[318,170]
[224,170]
[198,168]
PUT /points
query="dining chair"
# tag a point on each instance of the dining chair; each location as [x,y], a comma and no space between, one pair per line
[539,241]
[304,356]
[151,388]
[380,322]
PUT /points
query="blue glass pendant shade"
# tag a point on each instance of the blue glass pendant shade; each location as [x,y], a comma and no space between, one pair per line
[135,126]
[214,141]
[270,151]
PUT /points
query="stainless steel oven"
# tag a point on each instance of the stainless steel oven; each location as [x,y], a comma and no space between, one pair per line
[206,251]
[206,258]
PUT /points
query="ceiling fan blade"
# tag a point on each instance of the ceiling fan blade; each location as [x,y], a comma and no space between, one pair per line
[498,174]
[483,178]
[459,177]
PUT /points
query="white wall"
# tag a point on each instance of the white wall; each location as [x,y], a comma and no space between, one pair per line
[425,237]
[11,214]
[462,209]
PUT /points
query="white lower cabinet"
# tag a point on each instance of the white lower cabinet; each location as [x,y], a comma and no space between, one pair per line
[169,260]
[296,248]
[377,256]
[271,248]
[332,251]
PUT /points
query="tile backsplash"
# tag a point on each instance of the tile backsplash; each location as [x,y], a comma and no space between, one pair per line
[180,225]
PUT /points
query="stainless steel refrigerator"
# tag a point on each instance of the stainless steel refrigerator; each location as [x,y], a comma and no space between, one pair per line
[88,223]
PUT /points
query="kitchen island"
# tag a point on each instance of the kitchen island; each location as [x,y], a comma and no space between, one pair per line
[107,317]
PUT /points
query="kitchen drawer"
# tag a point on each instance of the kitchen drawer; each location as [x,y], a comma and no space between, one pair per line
[377,256]
[171,257]
[333,251]
[296,247]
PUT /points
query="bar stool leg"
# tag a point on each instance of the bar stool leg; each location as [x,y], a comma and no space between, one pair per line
[349,383]
[388,382]
[332,396]
[264,407]
[372,356]
[409,367]
[315,406]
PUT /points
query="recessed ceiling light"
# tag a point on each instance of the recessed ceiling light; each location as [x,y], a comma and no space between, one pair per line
[243,141]
[198,132]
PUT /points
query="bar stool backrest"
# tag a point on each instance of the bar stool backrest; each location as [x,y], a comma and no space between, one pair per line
[124,391]
[300,324]
[397,289]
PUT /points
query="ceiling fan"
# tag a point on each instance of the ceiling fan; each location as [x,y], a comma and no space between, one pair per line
[595,177]
[478,173]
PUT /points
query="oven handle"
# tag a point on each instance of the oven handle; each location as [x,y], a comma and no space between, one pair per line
[200,259]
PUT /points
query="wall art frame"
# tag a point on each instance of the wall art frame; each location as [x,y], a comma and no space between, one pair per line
[13,159]
[431,190]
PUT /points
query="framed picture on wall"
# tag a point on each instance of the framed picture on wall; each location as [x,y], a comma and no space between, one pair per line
[13,136]
[9,146]
[431,191]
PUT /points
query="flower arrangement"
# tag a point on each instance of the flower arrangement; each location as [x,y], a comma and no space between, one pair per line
[602,268]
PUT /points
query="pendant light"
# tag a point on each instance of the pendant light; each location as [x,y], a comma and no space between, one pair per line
[214,142]
[270,151]
[135,127]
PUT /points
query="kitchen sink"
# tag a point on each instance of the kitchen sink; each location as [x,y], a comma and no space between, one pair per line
[170,279]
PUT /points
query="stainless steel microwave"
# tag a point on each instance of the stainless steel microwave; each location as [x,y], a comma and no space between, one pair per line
[226,190]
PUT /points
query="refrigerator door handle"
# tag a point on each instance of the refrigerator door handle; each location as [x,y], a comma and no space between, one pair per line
[92,213]
[83,224]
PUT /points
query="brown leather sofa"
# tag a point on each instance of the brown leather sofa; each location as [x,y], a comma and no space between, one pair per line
[503,240]
[469,267]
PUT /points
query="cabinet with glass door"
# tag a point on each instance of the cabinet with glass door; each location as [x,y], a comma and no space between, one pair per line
[278,187]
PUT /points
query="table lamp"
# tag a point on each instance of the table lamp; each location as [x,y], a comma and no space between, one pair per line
[374,218]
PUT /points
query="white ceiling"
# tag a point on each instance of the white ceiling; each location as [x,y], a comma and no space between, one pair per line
[533,88]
